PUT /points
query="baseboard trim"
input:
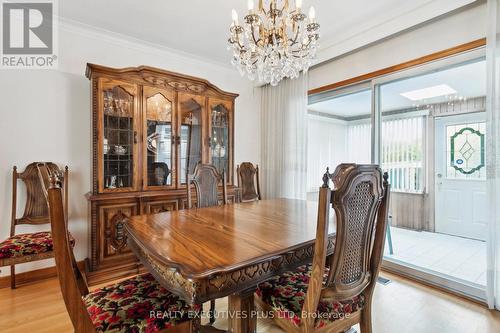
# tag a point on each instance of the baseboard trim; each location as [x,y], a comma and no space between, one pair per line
[93,278]
[33,276]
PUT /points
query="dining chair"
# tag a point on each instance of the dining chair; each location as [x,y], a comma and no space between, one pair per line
[138,304]
[29,247]
[248,182]
[335,292]
[206,179]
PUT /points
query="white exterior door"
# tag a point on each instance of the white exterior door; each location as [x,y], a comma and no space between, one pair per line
[460,179]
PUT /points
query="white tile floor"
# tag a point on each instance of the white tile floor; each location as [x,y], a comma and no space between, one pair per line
[459,257]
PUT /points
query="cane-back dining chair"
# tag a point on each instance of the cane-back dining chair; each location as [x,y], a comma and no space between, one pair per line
[138,304]
[335,292]
[248,182]
[206,179]
[28,247]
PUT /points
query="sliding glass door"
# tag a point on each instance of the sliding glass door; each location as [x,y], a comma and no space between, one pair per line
[432,145]
[426,128]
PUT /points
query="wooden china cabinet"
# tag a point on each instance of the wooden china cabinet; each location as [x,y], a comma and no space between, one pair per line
[150,128]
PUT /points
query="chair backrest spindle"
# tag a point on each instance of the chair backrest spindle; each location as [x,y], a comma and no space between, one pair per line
[35,209]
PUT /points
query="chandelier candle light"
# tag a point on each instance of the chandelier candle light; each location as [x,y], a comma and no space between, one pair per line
[274,42]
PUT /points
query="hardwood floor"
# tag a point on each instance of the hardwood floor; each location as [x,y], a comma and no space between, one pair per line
[401,306]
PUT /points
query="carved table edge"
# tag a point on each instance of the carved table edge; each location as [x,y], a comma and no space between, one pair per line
[217,285]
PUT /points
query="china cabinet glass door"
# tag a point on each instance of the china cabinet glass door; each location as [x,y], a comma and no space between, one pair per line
[190,131]
[220,136]
[159,152]
[119,137]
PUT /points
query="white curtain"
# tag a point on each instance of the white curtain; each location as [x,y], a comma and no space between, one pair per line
[493,153]
[326,146]
[284,139]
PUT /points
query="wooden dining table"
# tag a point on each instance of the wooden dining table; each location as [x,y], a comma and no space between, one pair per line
[202,254]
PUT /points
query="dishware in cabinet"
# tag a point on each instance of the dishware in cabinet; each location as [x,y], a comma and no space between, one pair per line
[117,136]
[220,129]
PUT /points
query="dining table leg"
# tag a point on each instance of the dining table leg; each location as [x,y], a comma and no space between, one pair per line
[242,315]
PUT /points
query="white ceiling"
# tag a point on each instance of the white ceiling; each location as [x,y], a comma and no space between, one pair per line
[352,105]
[468,80]
[200,27]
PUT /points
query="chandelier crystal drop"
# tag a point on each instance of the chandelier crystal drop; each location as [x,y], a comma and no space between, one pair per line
[274,41]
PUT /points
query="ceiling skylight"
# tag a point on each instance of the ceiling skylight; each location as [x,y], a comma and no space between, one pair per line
[430,92]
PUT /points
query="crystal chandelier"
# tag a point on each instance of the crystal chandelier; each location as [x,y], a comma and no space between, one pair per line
[275,41]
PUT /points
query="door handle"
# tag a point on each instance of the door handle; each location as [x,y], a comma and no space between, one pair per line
[439,179]
[135,137]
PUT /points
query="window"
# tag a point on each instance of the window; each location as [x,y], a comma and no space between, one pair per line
[402,153]
[359,137]
[465,151]
[339,131]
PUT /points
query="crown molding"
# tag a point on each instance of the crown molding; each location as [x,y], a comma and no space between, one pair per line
[135,43]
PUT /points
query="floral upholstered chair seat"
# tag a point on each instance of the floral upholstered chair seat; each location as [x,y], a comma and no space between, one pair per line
[285,294]
[27,244]
[136,305]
